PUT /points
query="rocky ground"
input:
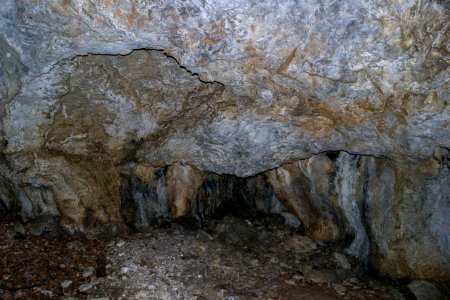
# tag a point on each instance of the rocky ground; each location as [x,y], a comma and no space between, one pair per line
[233,258]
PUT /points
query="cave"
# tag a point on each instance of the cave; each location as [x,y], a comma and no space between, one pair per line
[234,149]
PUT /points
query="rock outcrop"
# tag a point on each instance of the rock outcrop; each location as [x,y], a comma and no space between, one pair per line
[121,114]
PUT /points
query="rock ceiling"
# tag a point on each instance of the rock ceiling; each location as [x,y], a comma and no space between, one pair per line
[233,87]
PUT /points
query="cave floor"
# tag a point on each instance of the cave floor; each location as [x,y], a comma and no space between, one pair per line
[233,259]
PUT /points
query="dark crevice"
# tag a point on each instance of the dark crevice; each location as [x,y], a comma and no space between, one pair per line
[194,74]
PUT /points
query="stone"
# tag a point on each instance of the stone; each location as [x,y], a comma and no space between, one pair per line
[20,229]
[320,276]
[303,187]
[141,295]
[47,294]
[66,284]
[408,218]
[342,261]
[301,244]
[120,243]
[339,288]
[290,282]
[88,271]
[86,287]
[255,262]
[237,232]
[425,290]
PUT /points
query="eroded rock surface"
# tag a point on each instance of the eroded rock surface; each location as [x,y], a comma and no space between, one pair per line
[298,77]
[124,114]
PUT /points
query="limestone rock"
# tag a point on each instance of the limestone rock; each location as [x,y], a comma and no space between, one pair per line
[112,113]
[424,290]
[407,213]
[87,287]
[307,193]
[342,261]
[66,283]
[183,183]
[365,77]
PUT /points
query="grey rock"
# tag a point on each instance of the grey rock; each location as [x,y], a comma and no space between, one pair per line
[20,229]
[320,276]
[88,271]
[113,112]
[86,287]
[237,232]
[342,261]
[120,243]
[425,290]
[66,284]
[47,294]
[348,185]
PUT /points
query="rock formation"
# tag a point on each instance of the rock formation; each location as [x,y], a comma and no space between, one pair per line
[119,114]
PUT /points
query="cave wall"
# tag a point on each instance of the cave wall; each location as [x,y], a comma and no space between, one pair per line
[122,114]
[393,216]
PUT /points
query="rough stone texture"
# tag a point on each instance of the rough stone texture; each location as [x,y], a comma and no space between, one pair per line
[424,290]
[366,77]
[184,181]
[113,112]
[304,187]
[407,209]
[349,188]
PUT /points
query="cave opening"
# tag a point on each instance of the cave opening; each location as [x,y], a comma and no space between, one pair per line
[301,230]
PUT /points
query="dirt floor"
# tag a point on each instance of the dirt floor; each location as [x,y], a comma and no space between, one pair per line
[232,259]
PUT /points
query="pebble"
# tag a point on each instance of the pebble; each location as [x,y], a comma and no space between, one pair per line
[274,260]
[88,271]
[339,288]
[142,295]
[320,276]
[46,293]
[254,262]
[425,290]
[290,282]
[298,277]
[66,283]
[342,261]
[74,245]
[87,286]
[143,271]
[120,243]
